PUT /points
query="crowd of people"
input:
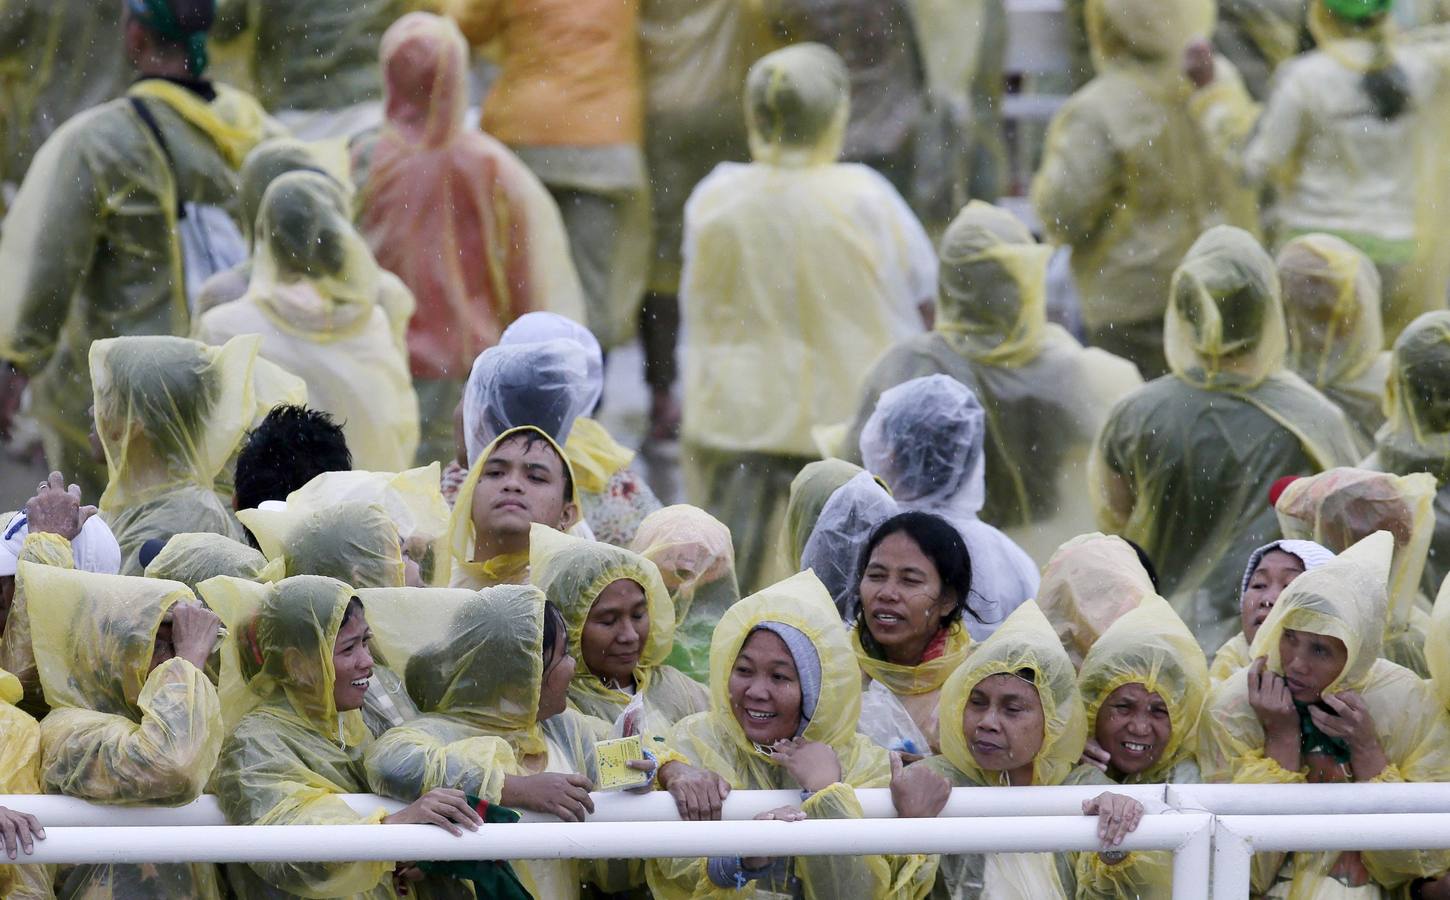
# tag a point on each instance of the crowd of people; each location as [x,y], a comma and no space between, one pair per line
[317,362]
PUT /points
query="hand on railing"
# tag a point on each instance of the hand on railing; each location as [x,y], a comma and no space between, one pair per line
[20,831]
[1118,817]
[444,807]
[564,796]
[699,793]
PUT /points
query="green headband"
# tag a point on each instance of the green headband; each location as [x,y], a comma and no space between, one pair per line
[158,16]
[1358,10]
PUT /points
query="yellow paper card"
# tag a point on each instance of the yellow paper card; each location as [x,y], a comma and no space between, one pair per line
[613,758]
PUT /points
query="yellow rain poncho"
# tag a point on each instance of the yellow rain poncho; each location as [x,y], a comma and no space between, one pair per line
[20,774]
[1025,641]
[17,654]
[292,753]
[926,441]
[169,413]
[474,663]
[462,543]
[1126,179]
[194,558]
[1150,646]
[1336,341]
[1341,507]
[353,541]
[572,573]
[411,498]
[714,740]
[1337,164]
[900,704]
[92,249]
[1258,36]
[118,733]
[1091,582]
[1045,396]
[1344,599]
[1184,464]
[1437,647]
[311,56]
[316,299]
[1416,438]
[798,271]
[60,59]
[693,552]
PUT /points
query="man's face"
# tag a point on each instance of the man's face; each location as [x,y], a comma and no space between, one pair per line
[522,483]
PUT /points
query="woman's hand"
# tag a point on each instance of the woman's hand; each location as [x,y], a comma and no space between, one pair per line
[1273,705]
[1118,816]
[444,807]
[812,764]
[19,831]
[564,796]
[404,874]
[1352,723]
[699,793]
[917,792]
[781,814]
[1094,755]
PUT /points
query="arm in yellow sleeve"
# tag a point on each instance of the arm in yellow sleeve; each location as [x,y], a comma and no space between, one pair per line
[407,762]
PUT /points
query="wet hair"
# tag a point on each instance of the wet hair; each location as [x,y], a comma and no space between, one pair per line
[554,625]
[941,543]
[1146,561]
[292,446]
[530,440]
[354,608]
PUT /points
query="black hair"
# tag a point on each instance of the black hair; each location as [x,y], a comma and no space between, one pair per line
[940,541]
[1147,562]
[554,625]
[292,446]
[534,437]
[354,608]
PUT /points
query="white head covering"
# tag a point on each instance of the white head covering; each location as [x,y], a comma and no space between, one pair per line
[538,327]
[1312,555]
[94,549]
[545,385]
[845,524]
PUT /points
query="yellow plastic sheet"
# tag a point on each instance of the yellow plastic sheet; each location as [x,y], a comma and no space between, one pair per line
[193,558]
[353,541]
[1091,581]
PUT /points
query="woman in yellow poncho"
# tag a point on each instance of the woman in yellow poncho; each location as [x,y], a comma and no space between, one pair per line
[168,412]
[1318,705]
[912,582]
[696,559]
[1184,463]
[784,699]
[1270,569]
[1143,686]
[1343,506]
[1336,339]
[491,670]
[20,774]
[135,719]
[1011,715]
[295,671]
[1044,395]
[621,626]
[1090,583]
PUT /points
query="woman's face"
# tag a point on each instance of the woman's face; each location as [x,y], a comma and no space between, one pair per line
[765,689]
[902,601]
[554,690]
[615,632]
[1134,727]
[1271,576]
[352,663]
[1004,723]
[1311,662]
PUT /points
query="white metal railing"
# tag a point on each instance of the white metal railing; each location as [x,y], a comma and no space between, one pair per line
[1213,830]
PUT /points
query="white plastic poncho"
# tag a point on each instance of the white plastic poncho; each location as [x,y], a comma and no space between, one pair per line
[926,441]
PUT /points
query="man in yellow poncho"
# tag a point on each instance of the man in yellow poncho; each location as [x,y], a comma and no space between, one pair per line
[1126,180]
[1184,463]
[798,270]
[784,697]
[92,248]
[135,719]
[168,412]
[1045,396]
[1318,705]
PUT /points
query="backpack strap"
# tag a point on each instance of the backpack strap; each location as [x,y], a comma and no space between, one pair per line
[149,120]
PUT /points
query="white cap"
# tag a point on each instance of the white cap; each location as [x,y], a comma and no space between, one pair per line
[94,549]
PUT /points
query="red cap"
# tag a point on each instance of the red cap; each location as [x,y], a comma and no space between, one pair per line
[1280,486]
